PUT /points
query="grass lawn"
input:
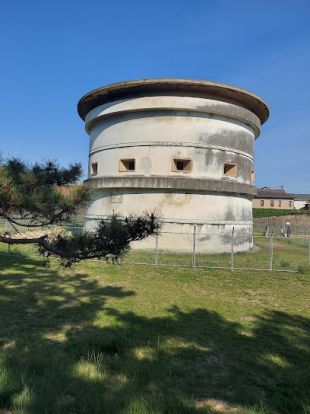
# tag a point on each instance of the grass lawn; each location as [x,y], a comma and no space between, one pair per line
[289,254]
[137,339]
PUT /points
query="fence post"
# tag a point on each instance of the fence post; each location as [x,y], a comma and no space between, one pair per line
[156,250]
[232,249]
[309,253]
[271,252]
[194,247]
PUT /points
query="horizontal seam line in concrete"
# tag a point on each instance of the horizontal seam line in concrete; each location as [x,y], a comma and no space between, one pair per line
[189,112]
[231,110]
[181,221]
[170,144]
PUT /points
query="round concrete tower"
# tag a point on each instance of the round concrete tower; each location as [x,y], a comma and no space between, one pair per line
[181,147]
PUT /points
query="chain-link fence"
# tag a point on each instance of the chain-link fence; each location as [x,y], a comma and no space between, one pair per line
[267,252]
[272,253]
[299,224]
[5,226]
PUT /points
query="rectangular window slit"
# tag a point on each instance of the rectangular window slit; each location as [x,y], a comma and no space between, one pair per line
[252,179]
[230,170]
[127,165]
[94,168]
[184,165]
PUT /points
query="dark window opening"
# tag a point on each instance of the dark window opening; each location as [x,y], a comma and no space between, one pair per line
[127,165]
[94,168]
[182,165]
[252,178]
[230,170]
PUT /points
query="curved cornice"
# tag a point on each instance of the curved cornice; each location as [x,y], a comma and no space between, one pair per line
[173,183]
[177,87]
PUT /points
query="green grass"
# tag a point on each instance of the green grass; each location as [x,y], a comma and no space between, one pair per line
[289,254]
[271,212]
[140,339]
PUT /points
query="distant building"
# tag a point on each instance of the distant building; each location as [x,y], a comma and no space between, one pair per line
[302,201]
[273,198]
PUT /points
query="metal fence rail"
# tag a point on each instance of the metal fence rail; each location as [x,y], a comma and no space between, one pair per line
[299,223]
[268,252]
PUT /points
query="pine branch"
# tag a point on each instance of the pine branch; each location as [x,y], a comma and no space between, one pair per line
[7,239]
[43,195]
[109,241]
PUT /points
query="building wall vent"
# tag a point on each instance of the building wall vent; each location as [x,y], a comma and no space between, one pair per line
[94,168]
[128,164]
[230,170]
[184,165]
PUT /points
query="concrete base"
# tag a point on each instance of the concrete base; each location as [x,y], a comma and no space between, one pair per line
[212,216]
[209,238]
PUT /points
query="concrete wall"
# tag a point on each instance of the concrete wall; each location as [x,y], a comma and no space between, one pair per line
[212,214]
[154,131]
[300,224]
[154,138]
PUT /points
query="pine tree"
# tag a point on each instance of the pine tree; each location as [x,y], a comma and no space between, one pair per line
[32,197]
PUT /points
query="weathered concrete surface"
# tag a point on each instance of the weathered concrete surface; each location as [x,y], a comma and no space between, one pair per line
[157,121]
[174,183]
[213,215]
[173,104]
[176,206]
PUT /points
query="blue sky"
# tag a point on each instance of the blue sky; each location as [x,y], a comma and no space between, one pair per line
[53,52]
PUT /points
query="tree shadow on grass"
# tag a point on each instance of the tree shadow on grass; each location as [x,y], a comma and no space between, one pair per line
[57,358]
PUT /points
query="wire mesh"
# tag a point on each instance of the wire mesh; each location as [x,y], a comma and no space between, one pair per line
[228,250]
[207,246]
[290,254]
[257,256]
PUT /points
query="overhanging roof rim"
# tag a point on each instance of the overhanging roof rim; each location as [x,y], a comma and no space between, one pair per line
[231,93]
